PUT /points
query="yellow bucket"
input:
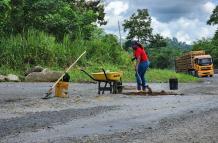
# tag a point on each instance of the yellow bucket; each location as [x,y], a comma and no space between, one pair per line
[110,75]
[61,89]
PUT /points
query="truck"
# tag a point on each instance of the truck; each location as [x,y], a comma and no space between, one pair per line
[196,63]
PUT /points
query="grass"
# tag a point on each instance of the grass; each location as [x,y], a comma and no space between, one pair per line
[4,70]
[152,75]
[158,75]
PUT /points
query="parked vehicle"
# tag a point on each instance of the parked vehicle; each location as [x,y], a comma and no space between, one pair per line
[196,63]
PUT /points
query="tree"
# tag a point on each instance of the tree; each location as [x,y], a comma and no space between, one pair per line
[127,45]
[4,13]
[214,17]
[163,58]
[57,17]
[96,6]
[139,26]
[210,46]
[157,41]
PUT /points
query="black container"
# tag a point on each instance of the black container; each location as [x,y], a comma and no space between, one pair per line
[66,77]
[173,82]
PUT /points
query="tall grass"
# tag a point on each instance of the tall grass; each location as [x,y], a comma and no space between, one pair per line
[38,48]
[34,48]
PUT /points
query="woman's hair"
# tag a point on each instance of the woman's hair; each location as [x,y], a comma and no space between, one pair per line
[135,43]
[138,44]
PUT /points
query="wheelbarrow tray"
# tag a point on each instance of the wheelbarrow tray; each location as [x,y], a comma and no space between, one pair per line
[114,76]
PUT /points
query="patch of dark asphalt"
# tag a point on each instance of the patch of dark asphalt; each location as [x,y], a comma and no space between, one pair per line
[190,127]
[45,119]
[11,100]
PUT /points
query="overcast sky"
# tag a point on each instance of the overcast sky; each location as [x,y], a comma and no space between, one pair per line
[183,19]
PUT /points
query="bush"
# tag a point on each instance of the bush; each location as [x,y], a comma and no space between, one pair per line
[39,48]
[106,50]
[31,49]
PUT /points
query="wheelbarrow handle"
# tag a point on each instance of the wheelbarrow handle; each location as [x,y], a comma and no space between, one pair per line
[105,74]
[88,74]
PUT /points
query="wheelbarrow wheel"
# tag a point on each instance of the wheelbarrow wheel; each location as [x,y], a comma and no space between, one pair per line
[119,87]
[114,88]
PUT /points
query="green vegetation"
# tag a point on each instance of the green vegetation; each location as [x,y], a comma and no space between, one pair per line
[210,45]
[153,75]
[157,75]
[39,48]
[139,26]
[53,33]
[56,17]
[163,58]
[4,70]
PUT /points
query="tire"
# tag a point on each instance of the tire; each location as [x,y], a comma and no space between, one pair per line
[211,75]
[196,74]
[191,72]
[114,90]
[119,87]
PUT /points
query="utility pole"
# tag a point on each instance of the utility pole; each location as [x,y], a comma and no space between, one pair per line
[120,35]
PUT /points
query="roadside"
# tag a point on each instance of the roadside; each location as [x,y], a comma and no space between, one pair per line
[41,74]
[87,117]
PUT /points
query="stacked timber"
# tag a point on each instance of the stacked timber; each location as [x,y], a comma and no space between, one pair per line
[185,62]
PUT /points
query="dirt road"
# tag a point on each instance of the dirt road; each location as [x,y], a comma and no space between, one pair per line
[87,117]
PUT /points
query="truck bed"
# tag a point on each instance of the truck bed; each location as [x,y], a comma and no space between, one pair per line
[185,63]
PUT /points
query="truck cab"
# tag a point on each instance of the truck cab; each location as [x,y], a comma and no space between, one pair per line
[196,63]
[203,65]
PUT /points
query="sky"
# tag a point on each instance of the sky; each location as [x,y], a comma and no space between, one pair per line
[184,19]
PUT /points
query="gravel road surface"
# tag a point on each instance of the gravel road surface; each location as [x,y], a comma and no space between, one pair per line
[88,117]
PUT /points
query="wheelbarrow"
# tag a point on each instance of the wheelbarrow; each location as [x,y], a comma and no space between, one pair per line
[112,81]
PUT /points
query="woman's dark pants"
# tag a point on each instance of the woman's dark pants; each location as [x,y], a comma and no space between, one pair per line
[140,75]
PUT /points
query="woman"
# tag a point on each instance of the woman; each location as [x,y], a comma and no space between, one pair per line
[141,67]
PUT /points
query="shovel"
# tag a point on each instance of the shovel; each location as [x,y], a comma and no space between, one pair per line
[50,90]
